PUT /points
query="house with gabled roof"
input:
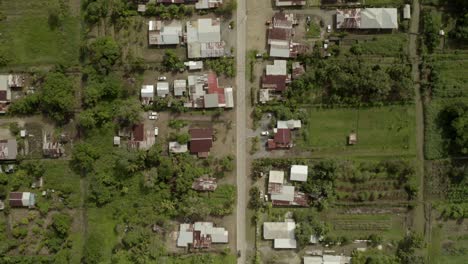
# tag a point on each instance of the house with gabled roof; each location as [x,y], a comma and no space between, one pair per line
[22,199]
[161,33]
[201,141]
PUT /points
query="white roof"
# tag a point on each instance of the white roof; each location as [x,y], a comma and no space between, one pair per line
[176,147]
[147,91]
[280,51]
[208,30]
[279,67]
[407,11]
[204,38]
[313,260]
[276,177]
[289,124]
[194,65]
[184,238]
[286,194]
[275,230]
[229,97]
[218,234]
[162,88]
[116,140]
[299,173]
[285,243]
[375,18]
[180,86]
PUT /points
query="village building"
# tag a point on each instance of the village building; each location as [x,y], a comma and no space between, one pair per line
[282,194]
[176,147]
[208,4]
[162,89]
[201,141]
[289,124]
[299,173]
[201,235]
[282,234]
[165,33]
[367,18]
[147,94]
[180,87]
[5,94]
[15,81]
[204,92]
[352,138]
[280,33]
[281,140]
[290,3]
[205,184]
[194,65]
[8,149]
[204,39]
[140,138]
[22,199]
[327,259]
[116,141]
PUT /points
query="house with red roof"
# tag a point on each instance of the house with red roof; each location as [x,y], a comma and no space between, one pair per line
[201,141]
[205,92]
[281,140]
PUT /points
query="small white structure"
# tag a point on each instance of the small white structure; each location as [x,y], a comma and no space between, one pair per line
[23,133]
[208,4]
[180,87]
[147,94]
[162,89]
[116,141]
[282,3]
[279,67]
[407,12]
[162,33]
[176,147]
[276,177]
[282,233]
[299,173]
[194,65]
[327,259]
[289,124]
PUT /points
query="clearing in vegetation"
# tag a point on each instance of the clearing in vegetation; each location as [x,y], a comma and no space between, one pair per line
[380,130]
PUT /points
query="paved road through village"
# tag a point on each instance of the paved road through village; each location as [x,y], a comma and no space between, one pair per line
[241,128]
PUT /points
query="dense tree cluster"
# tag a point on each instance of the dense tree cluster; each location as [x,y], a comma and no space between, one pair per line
[172,62]
[308,225]
[430,31]
[454,121]
[167,12]
[225,66]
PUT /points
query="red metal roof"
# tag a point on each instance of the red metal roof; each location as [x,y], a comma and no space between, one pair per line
[213,87]
[277,82]
[201,139]
[16,199]
[139,132]
[283,136]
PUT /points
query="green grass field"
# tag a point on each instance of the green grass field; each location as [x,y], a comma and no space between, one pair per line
[451,69]
[381,130]
[101,222]
[28,39]
[390,45]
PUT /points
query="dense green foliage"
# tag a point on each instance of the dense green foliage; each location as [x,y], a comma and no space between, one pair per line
[430,30]
[167,12]
[172,62]
[225,66]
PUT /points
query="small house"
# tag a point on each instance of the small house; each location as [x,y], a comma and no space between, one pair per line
[407,12]
[299,173]
[8,149]
[180,87]
[282,234]
[194,65]
[116,141]
[162,89]
[201,141]
[162,33]
[352,139]
[147,94]
[208,4]
[282,3]
[281,140]
[201,235]
[22,199]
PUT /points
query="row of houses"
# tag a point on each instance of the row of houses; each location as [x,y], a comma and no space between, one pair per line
[203,90]
[202,37]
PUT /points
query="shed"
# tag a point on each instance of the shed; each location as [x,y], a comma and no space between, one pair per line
[286,194]
[116,141]
[407,12]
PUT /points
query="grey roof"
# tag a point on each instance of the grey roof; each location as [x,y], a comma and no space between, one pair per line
[375,18]
[274,230]
[286,194]
[211,100]
[180,87]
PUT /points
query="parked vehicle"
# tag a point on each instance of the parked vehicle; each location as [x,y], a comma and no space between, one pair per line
[329,29]
[265,133]
[258,55]
[162,78]
[154,113]
[156,131]
[308,20]
[152,117]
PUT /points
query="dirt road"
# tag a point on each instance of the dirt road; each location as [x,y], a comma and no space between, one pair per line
[419,221]
[241,127]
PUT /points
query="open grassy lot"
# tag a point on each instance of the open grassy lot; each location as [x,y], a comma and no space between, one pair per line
[450,69]
[449,242]
[391,45]
[28,38]
[101,225]
[380,130]
[436,145]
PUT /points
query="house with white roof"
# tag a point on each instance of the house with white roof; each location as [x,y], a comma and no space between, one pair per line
[282,234]
[289,124]
[194,65]
[201,235]
[162,89]
[180,87]
[205,92]
[164,33]
[276,177]
[204,38]
[282,3]
[367,18]
[299,173]
[327,259]
[147,94]
[208,4]
[279,67]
